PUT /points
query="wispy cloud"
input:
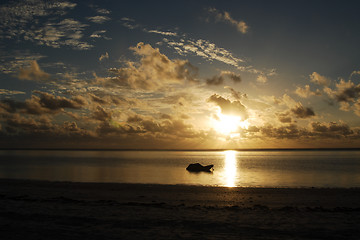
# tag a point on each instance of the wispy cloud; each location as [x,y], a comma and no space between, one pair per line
[12,61]
[43,23]
[204,49]
[103,57]
[10,92]
[162,32]
[33,73]
[224,16]
[100,34]
[98,19]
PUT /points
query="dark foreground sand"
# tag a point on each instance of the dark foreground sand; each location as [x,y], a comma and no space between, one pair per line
[62,210]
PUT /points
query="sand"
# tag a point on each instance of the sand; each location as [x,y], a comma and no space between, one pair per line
[64,210]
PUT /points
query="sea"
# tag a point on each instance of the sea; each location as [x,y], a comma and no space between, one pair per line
[265,168]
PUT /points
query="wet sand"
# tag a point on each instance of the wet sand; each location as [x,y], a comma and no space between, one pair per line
[64,210]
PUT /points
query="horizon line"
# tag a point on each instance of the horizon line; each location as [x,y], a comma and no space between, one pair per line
[199,150]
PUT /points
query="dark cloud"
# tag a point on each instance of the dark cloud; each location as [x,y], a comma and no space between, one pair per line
[332,129]
[249,103]
[237,95]
[228,107]
[290,131]
[348,94]
[302,112]
[55,103]
[16,123]
[219,79]
[316,132]
[112,129]
[101,115]
[42,128]
[234,77]
[215,80]
[285,119]
[44,103]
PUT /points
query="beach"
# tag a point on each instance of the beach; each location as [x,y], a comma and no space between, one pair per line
[68,210]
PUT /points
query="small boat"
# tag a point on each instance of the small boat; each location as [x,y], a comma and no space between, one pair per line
[197,167]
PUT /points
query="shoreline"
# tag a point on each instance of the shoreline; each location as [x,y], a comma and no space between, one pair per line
[23,180]
[33,209]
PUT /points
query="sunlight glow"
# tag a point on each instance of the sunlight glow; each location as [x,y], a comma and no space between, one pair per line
[230,168]
[229,124]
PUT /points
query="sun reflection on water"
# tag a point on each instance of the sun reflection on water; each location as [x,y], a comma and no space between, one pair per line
[230,168]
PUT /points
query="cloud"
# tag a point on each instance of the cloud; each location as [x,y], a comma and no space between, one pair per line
[204,49]
[249,103]
[261,78]
[318,79]
[356,107]
[128,19]
[155,70]
[354,73]
[290,131]
[42,129]
[284,118]
[237,95]
[10,92]
[219,79]
[236,78]
[347,91]
[306,92]
[103,57]
[332,129]
[39,23]
[167,126]
[316,131]
[285,100]
[98,19]
[162,32]
[225,16]
[215,80]
[16,123]
[45,103]
[101,115]
[228,107]
[210,52]
[100,34]
[33,73]
[103,11]
[12,61]
[302,112]
[129,23]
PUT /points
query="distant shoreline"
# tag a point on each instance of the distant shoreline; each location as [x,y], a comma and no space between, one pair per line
[178,150]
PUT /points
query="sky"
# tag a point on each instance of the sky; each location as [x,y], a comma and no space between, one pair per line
[179,75]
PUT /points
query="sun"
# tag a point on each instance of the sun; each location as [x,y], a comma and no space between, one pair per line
[228,124]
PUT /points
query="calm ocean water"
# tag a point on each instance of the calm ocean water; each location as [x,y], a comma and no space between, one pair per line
[232,168]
